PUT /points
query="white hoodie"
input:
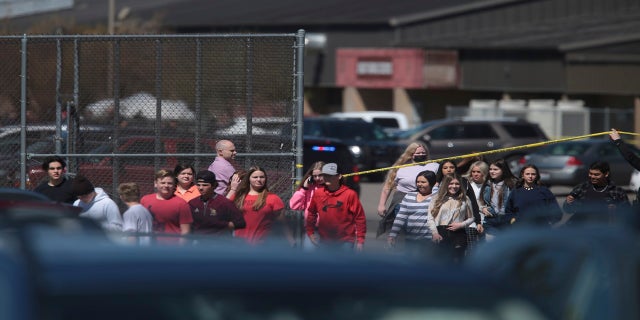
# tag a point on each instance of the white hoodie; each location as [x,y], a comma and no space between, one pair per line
[102,209]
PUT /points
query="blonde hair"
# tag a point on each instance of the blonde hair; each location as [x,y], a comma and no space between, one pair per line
[314,166]
[129,191]
[405,157]
[163,173]
[482,166]
[443,193]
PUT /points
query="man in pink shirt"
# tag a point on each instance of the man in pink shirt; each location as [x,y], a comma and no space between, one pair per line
[222,166]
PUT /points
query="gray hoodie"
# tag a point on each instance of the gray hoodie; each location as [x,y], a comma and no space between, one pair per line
[102,209]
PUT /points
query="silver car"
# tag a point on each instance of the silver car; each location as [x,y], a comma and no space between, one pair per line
[567,163]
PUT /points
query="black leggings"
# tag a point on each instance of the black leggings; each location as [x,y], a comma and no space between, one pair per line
[453,242]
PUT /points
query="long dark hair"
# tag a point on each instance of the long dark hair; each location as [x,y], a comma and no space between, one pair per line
[439,174]
[507,176]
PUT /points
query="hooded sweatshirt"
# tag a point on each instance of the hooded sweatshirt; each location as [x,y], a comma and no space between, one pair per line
[339,215]
[102,209]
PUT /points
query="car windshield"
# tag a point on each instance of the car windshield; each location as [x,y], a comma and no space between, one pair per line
[406,134]
[353,130]
[521,131]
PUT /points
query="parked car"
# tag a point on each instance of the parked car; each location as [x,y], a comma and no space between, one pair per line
[390,121]
[259,126]
[139,169]
[456,137]
[67,276]
[331,150]
[567,163]
[20,208]
[41,139]
[586,272]
[370,146]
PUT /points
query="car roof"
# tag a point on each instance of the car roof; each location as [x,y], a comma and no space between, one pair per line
[335,119]
[69,264]
[70,269]
[6,130]
[13,194]
[587,142]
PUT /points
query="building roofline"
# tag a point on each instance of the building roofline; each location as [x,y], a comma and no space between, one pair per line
[600,42]
[445,12]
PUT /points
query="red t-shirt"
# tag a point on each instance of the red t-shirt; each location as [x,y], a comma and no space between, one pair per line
[168,214]
[259,222]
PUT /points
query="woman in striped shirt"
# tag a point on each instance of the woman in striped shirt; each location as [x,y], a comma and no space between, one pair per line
[412,216]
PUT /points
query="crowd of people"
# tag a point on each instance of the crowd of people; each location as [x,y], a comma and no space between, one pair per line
[449,210]
[444,207]
[220,202]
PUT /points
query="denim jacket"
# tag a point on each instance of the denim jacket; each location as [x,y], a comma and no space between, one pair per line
[486,197]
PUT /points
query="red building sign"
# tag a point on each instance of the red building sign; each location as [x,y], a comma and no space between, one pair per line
[394,68]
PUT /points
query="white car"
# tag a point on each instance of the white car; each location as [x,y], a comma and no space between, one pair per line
[390,121]
[259,126]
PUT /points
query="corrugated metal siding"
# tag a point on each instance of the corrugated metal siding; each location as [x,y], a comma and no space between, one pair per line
[605,79]
[529,24]
[513,71]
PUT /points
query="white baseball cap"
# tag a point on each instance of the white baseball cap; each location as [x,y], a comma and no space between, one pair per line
[330,169]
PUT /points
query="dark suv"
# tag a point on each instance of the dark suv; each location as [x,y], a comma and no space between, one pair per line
[370,146]
[331,150]
[454,137]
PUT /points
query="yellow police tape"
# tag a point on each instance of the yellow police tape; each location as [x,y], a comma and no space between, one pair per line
[476,154]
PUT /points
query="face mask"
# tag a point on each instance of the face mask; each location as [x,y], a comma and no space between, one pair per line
[419,158]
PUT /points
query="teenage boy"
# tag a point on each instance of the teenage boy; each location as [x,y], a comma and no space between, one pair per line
[338,213]
[213,214]
[58,185]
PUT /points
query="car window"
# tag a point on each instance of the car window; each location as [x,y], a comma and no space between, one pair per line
[466,131]
[607,150]
[143,146]
[312,128]
[386,122]
[565,149]
[521,131]
[101,149]
[479,131]
[351,130]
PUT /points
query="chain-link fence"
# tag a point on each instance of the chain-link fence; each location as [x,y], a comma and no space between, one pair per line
[120,108]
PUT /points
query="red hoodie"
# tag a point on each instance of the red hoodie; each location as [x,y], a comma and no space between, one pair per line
[342,215]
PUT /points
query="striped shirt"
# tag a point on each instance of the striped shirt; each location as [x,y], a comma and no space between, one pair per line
[412,217]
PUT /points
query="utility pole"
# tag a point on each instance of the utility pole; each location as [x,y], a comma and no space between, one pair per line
[111,22]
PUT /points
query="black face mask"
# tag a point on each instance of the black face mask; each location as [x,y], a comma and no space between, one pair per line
[419,158]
